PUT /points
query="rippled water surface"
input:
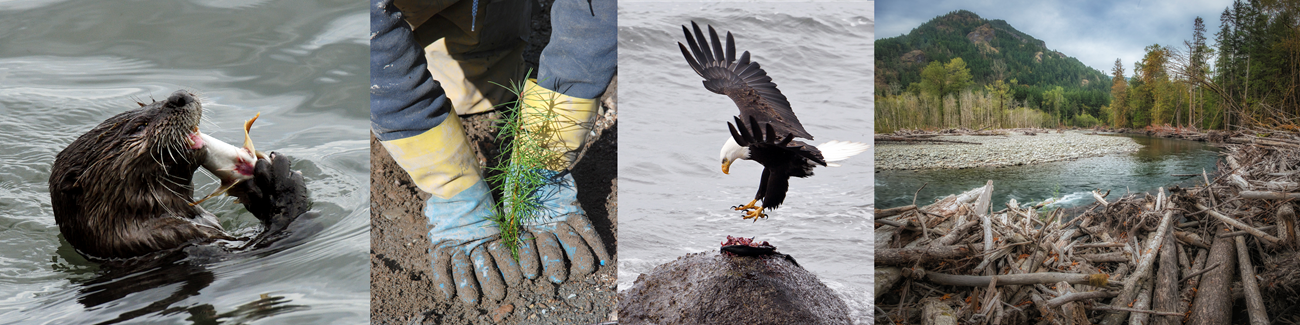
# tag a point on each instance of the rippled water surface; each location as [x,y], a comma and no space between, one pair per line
[673,195]
[67,66]
[1068,182]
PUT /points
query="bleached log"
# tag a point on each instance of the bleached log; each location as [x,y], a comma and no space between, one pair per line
[1239,225]
[885,213]
[1076,296]
[1100,198]
[910,256]
[1097,279]
[1192,239]
[1254,302]
[1166,291]
[885,279]
[1148,257]
[1213,303]
[1268,195]
[956,233]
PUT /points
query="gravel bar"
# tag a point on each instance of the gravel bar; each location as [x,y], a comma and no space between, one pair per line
[998,151]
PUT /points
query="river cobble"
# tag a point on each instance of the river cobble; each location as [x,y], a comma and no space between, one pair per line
[998,151]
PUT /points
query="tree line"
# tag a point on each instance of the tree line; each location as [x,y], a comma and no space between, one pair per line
[1249,78]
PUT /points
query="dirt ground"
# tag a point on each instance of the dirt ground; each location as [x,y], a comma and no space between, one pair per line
[401,291]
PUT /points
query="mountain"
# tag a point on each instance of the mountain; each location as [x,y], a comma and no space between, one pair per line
[993,50]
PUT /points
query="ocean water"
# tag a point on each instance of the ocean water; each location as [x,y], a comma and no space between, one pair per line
[67,66]
[673,195]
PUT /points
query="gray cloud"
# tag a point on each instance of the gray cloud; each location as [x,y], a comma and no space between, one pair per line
[1095,32]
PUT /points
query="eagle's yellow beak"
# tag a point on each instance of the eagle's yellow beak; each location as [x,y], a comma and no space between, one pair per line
[726,166]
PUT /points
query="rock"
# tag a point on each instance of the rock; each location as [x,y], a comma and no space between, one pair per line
[502,312]
[709,288]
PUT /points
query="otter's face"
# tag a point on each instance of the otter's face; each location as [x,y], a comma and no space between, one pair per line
[132,167]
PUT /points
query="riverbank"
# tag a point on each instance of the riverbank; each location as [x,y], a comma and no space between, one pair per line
[1219,252]
[1002,149]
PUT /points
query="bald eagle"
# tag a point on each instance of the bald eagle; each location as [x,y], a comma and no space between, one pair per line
[766,128]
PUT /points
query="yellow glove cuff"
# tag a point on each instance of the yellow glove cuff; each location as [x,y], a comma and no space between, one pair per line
[440,160]
[561,121]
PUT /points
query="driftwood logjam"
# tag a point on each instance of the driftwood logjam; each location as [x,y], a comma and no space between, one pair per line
[1222,252]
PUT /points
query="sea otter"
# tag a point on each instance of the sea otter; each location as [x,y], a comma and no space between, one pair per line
[124,189]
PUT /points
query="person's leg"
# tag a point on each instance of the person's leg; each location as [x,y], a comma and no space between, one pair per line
[413,119]
[576,67]
[469,51]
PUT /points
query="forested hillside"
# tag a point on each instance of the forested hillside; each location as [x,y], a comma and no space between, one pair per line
[993,51]
[960,70]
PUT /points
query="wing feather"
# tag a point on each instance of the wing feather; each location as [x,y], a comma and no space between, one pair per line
[742,80]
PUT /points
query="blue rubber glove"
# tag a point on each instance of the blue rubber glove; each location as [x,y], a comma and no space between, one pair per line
[468,256]
[561,230]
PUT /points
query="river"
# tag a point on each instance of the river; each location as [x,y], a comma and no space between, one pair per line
[67,66]
[1068,183]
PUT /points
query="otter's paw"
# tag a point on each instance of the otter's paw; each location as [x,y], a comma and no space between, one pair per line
[276,194]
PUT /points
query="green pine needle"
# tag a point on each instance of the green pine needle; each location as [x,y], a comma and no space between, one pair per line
[526,152]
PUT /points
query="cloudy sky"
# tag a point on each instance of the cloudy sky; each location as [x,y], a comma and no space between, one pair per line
[1095,32]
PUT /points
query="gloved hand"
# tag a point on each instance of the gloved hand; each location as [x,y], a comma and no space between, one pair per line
[560,123]
[468,256]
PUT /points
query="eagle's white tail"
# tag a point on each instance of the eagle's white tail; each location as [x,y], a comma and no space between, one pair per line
[834,151]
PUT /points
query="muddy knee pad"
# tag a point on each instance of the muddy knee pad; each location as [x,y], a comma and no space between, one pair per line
[489,278]
[506,262]
[552,256]
[462,271]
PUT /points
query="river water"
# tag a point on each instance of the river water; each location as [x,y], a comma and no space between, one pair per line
[673,195]
[66,66]
[1069,183]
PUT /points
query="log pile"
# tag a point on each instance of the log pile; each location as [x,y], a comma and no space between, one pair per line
[1222,252]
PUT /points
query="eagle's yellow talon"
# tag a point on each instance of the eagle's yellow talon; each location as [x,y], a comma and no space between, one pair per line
[758,213]
[746,207]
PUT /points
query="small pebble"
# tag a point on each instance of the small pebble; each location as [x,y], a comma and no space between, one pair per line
[502,312]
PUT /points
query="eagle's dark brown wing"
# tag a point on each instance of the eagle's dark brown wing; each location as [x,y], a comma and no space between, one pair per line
[742,80]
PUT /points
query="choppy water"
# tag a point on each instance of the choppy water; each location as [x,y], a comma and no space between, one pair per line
[66,66]
[1068,182]
[674,197]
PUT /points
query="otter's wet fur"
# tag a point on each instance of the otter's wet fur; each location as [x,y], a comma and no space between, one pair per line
[124,189]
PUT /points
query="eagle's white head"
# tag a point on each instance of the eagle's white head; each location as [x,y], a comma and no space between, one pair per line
[731,151]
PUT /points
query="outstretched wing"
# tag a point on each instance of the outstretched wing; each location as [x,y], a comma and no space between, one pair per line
[766,142]
[743,81]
